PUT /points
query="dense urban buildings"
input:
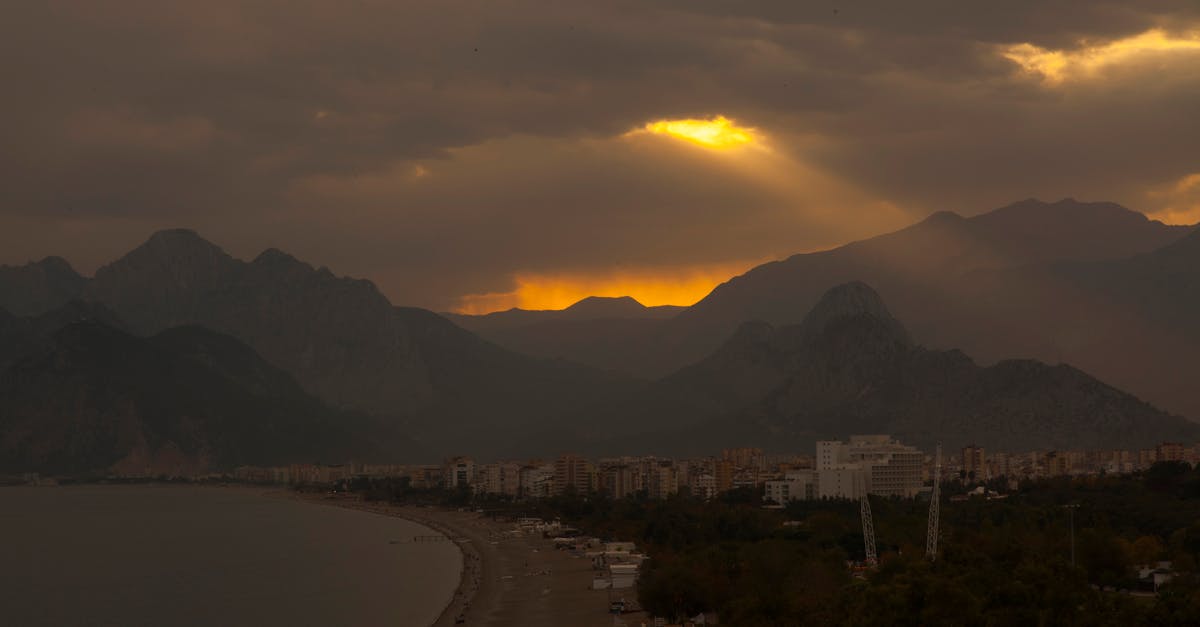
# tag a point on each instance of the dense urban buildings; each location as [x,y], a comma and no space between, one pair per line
[877,464]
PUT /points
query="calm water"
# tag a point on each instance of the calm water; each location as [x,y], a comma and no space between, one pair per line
[166,555]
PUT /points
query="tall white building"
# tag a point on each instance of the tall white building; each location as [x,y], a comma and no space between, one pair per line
[892,468]
[876,463]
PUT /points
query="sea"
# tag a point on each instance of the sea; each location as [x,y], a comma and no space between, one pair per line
[160,555]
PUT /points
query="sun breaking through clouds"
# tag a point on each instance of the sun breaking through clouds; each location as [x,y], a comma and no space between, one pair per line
[649,286]
[442,151]
[1058,66]
[718,133]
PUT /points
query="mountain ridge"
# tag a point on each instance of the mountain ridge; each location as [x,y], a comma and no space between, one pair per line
[344,342]
[855,370]
[91,398]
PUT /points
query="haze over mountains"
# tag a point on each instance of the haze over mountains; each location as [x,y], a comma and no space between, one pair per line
[1090,284]
[89,396]
[850,367]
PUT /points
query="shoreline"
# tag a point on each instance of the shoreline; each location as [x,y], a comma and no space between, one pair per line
[470,576]
[507,579]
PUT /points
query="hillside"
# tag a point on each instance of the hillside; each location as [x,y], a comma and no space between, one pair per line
[850,367]
[1065,281]
[92,398]
[40,286]
[344,342]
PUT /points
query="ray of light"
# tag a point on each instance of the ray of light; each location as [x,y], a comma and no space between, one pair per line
[649,286]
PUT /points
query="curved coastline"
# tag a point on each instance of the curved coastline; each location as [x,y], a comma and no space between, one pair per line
[507,579]
[471,575]
[163,554]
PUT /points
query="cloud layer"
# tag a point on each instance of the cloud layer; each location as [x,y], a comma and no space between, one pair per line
[465,148]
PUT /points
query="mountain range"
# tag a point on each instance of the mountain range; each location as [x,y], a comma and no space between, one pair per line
[89,397]
[596,331]
[1095,285]
[342,340]
[771,357]
[850,367]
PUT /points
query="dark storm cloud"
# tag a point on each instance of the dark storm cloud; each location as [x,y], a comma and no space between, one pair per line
[441,147]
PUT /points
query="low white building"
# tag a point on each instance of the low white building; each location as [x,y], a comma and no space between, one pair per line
[795,486]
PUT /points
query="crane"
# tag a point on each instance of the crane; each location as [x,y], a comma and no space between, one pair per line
[868,525]
[931,538]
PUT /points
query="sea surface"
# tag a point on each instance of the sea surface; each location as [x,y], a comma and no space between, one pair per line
[179,555]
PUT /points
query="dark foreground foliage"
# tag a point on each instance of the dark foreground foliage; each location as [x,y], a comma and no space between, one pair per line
[1001,562]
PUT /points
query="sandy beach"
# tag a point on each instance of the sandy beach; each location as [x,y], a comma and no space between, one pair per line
[509,580]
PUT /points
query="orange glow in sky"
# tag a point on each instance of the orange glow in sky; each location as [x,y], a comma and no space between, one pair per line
[649,286]
[1057,66]
[719,133]
[1180,201]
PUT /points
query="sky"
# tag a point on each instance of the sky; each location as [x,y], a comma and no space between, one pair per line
[474,156]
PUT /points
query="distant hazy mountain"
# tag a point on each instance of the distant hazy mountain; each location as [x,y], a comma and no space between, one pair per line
[850,367]
[39,286]
[596,331]
[19,335]
[1091,284]
[1131,321]
[91,398]
[590,308]
[911,267]
[344,342]
[1064,281]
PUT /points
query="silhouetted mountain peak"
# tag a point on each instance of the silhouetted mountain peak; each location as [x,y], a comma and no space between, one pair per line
[39,286]
[607,307]
[274,260]
[57,265]
[1033,212]
[159,283]
[178,239]
[851,300]
[942,217]
[274,255]
[172,251]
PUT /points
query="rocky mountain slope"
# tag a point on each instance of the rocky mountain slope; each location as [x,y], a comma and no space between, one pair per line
[40,286]
[594,331]
[346,343]
[92,398]
[851,367]
[1093,284]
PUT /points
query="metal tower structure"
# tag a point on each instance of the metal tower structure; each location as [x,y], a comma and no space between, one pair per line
[868,524]
[935,506]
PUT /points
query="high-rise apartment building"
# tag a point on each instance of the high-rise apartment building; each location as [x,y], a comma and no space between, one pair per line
[743,457]
[723,474]
[458,471]
[973,463]
[575,472]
